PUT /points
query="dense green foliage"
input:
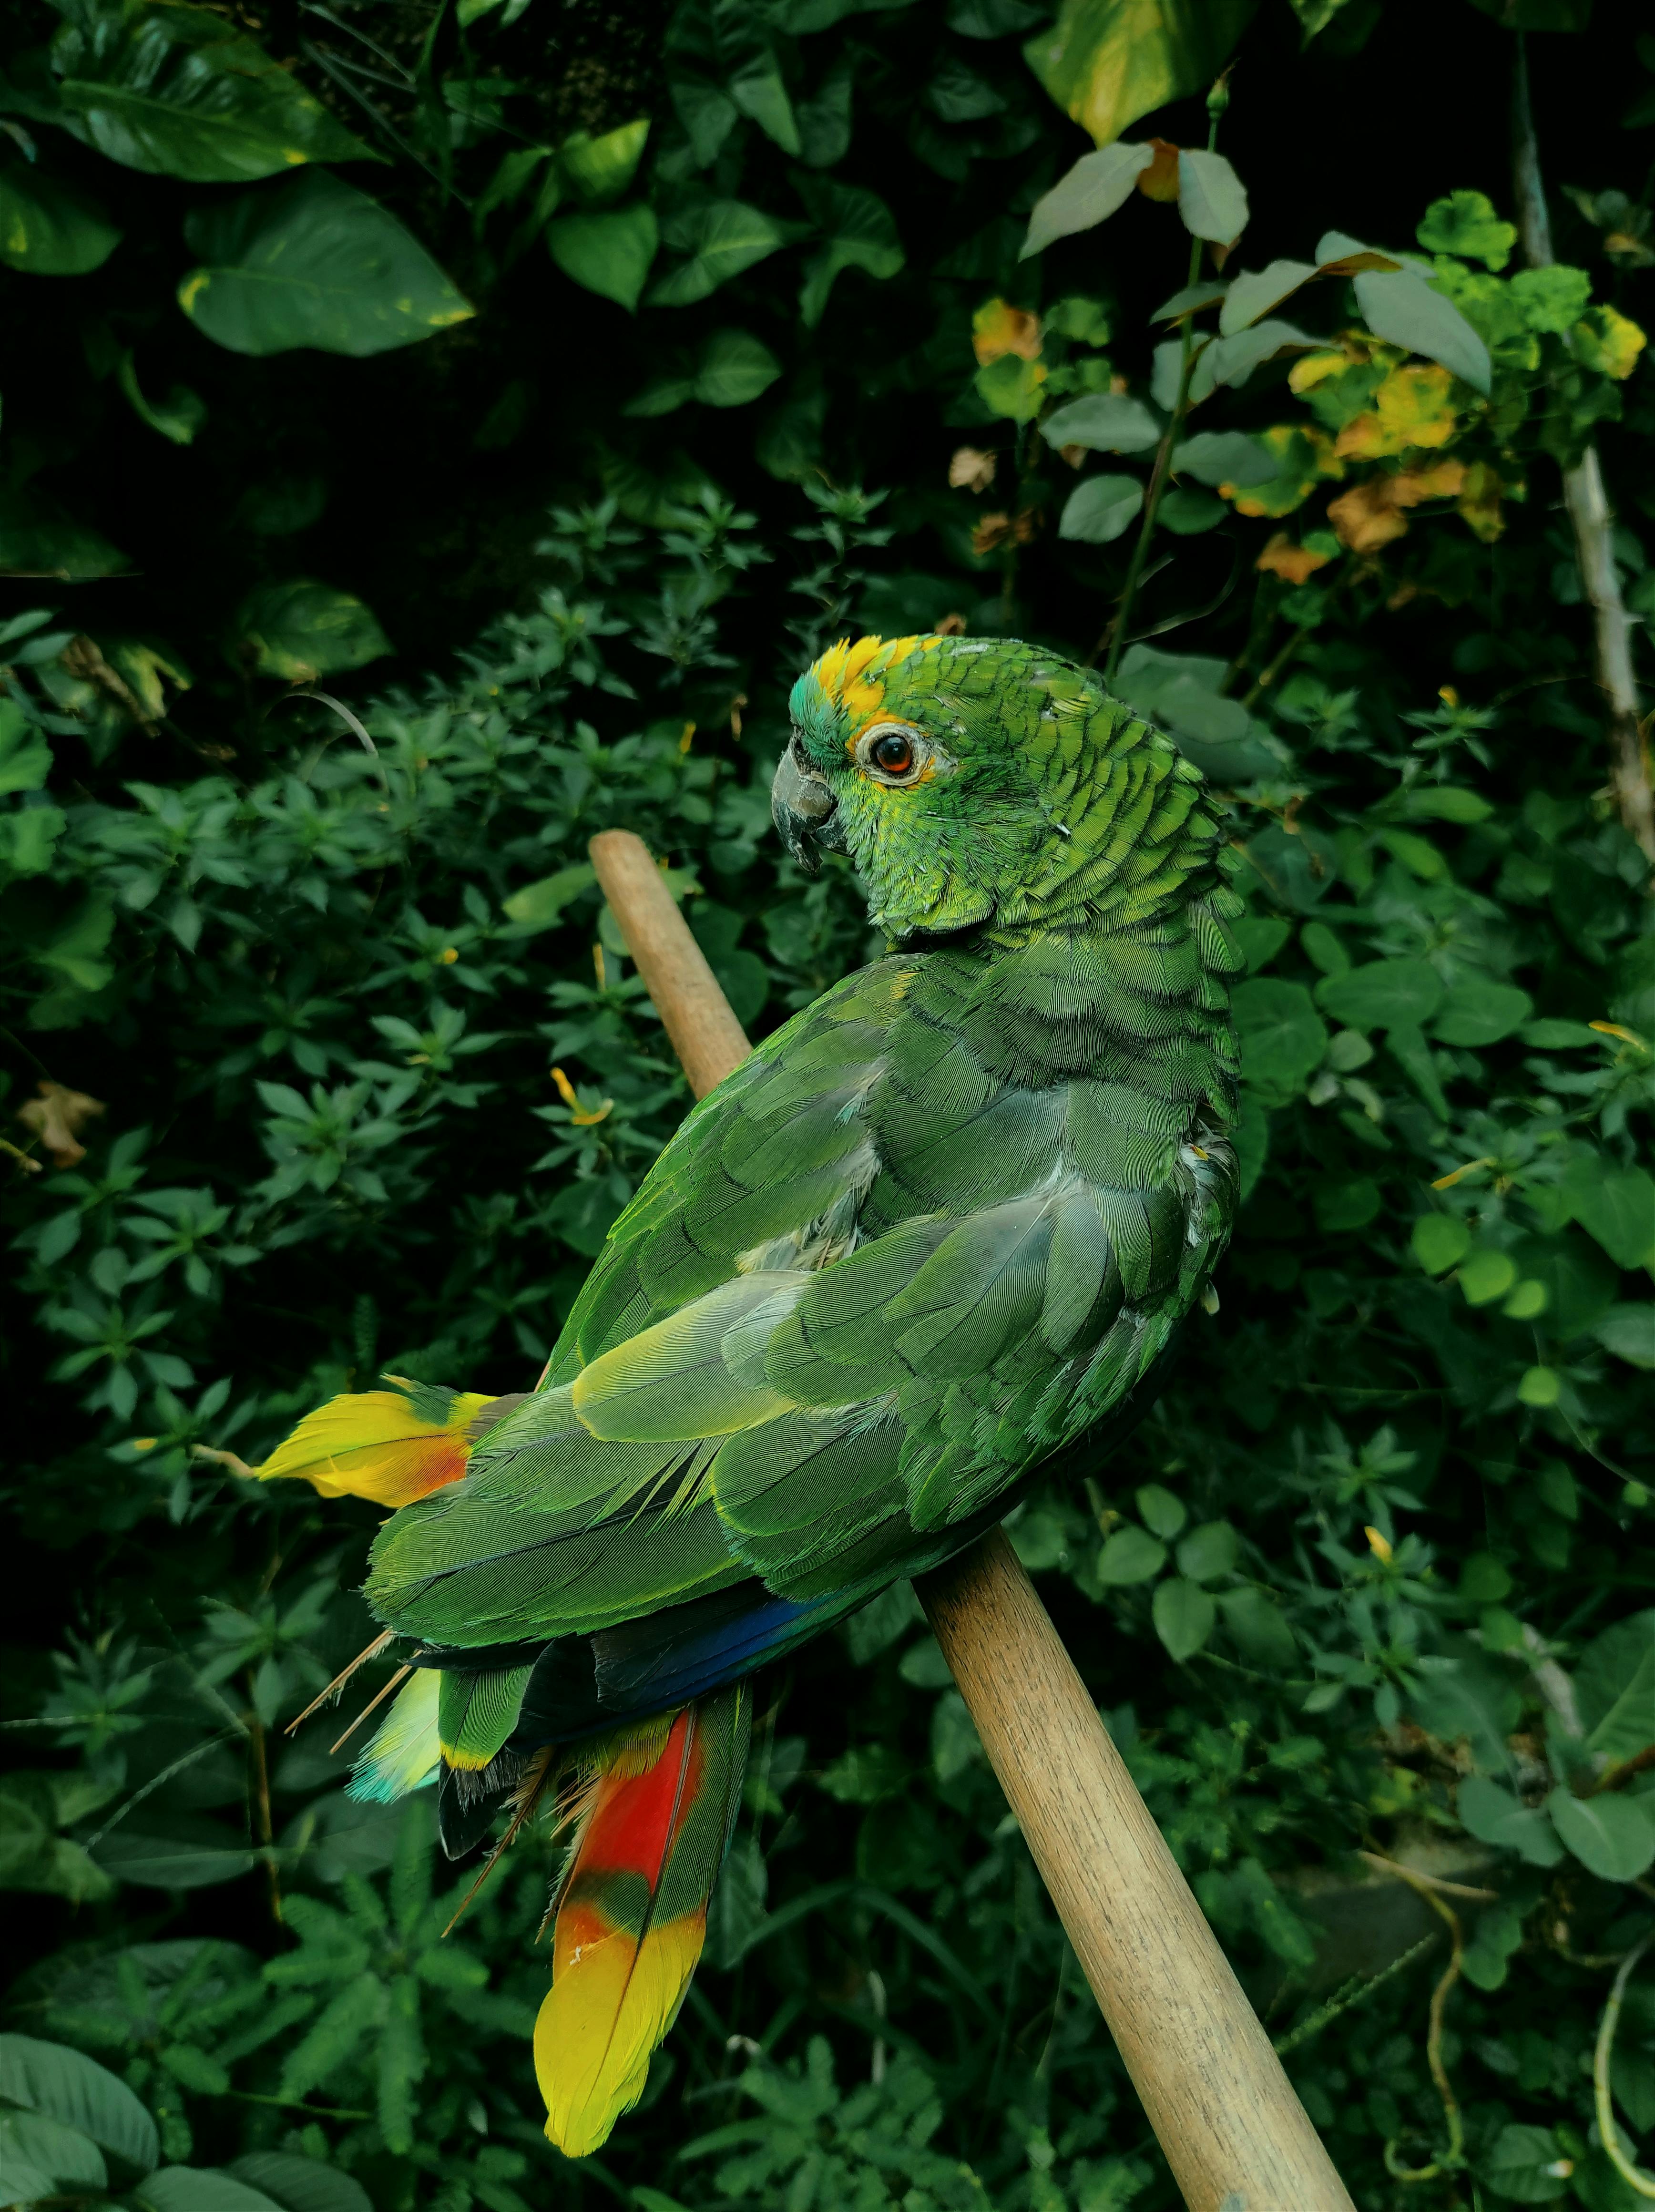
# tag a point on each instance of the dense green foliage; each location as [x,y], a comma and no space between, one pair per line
[361,1073]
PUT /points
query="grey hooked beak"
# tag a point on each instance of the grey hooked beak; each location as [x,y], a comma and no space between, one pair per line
[802,808]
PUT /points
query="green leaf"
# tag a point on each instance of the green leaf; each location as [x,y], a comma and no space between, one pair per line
[1282,1037]
[1616,1205]
[1475,1697]
[1255,292]
[1382,994]
[1107,62]
[1217,457]
[1092,190]
[725,237]
[1441,1241]
[1465,223]
[608,253]
[1211,198]
[1613,1836]
[1232,360]
[865,1773]
[1107,421]
[168,1863]
[600,169]
[29,2141]
[1476,1012]
[1012,386]
[859,232]
[1629,1333]
[199,2189]
[1613,1686]
[1258,1629]
[734,368]
[1401,305]
[1184,1616]
[1100,508]
[1344,1202]
[1487,1276]
[539,905]
[1489,1811]
[299,2184]
[49,227]
[1130,1556]
[180,92]
[1526,2165]
[1208,1552]
[1162,1513]
[62,2085]
[312,263]
[301,630]
[25,754]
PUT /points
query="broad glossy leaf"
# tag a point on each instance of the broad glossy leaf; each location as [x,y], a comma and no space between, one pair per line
[1130,1556]
[1259,1630]
[1526,2165]
[1614,1690]
[1107,421]
[1627,1331]
[1476,1698]
[199,2189]
[1400,304]
[64,2085]
[1283,1036]
[1163,1514]
[539,905]
[300,629]
[1232,360]
[608,253]
[725,237]
[1217,457]
[600,169]
[1382,994]
[734,368]
[1616,1205]
[313,262]
[1477,1012]
[1107,62]
[1441,1241]
[1211,198]
[49,227]
[1208,1552]
[1100,508]
[1256,291]
[860,233]
[1097,185]
[299,2184]
[31,2140]
[169,1863]
[180,92]
[1612,1835]
[1184,1615]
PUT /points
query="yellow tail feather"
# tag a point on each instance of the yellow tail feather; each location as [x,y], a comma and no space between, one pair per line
[611,2004]
[392,1446]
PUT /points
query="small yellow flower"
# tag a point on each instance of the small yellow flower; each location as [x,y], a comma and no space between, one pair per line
[1380,1546]
[583,1117]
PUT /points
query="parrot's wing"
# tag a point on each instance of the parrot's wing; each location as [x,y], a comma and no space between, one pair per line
[868,1283]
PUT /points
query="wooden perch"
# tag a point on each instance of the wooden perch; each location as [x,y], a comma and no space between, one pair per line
[1233,2132]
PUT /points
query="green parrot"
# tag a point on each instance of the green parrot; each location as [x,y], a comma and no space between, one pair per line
[941,1226]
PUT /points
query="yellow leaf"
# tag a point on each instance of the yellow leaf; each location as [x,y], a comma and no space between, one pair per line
[1479,501]
[1159,180]
[1608,341]
[999,328]
[1293,564]
[1107,62]
[1305,457]
[1411,408]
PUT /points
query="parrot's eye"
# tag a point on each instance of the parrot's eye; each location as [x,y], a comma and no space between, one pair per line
[892,752]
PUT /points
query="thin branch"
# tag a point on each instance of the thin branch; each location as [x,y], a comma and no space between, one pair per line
[1589,511]
[1601,2062]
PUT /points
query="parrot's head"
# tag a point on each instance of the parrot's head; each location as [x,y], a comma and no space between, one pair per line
[965,777]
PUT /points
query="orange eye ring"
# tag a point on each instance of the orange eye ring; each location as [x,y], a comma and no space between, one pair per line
[893,752]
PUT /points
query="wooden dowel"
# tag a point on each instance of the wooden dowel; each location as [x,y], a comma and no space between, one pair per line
[704,1033]
[1235,2134]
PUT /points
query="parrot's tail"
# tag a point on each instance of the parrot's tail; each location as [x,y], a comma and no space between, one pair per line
[392,1445]
[656,1808]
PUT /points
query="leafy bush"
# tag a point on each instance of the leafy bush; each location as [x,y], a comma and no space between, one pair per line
[326,1060]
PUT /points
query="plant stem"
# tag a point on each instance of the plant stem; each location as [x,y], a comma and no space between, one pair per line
[1163,451]
[1589,511]
[1600,2060]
